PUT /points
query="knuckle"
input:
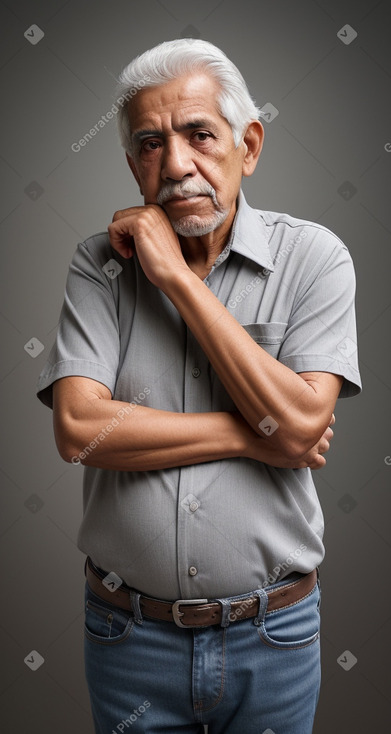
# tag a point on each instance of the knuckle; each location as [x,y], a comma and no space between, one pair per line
[120,214]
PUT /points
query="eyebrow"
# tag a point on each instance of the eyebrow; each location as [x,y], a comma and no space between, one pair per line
[191,125]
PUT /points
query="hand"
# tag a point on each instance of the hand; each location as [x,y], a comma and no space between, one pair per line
[148,231]
[314,457]
[258,448]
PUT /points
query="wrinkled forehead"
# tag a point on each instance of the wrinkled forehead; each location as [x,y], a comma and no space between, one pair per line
[183,100]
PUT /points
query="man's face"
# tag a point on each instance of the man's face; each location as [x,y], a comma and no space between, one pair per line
[184,156]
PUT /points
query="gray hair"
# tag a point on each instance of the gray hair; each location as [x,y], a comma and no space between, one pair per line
[172,59]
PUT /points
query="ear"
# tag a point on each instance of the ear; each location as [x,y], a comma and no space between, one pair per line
[133,168]
[253,141]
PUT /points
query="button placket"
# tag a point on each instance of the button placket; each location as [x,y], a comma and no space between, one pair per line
[196,398]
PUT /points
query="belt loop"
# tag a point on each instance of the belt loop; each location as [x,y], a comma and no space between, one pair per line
[135,605]
[225,612]
[263,602]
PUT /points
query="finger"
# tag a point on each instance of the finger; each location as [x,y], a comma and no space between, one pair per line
[120,237]
[332,421]
[318,463]
[323,446]
[122,213]
[328,434]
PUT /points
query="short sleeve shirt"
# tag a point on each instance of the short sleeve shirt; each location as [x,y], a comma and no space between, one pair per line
[223,527]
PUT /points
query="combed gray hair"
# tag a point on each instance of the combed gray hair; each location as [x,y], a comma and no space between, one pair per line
[172,59]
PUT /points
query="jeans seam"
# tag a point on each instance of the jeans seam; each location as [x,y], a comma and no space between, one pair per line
[109,640]
[287,645]
[200,709]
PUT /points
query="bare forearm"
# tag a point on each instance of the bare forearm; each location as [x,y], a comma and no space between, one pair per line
[92,428]
[160,440]
[144,439]
[259,385]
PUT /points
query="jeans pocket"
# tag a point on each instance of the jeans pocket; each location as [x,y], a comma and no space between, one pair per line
[105,623]
[295,626]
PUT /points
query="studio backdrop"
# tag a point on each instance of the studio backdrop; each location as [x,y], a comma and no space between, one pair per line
[321,73]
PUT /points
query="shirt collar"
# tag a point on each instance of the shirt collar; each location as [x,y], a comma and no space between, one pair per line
[249,236]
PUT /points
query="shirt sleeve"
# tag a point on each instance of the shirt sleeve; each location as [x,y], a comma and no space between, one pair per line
[321,334]
[87,341]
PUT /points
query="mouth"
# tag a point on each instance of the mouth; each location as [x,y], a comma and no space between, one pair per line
[182,199]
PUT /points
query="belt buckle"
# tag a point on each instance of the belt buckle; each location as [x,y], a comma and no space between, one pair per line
[177,614]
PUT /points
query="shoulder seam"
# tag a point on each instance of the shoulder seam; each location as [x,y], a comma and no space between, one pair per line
[300,223]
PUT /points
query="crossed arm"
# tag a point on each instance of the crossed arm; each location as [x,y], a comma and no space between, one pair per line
[146,439]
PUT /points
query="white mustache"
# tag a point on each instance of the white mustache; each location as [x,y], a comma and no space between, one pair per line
[186,190]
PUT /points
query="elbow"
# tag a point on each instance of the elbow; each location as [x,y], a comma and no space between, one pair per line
[67,443]
[69,452]
[70,456]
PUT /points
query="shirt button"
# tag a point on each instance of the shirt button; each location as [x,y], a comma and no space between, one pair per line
[193,506]
[196,372]
[193,571]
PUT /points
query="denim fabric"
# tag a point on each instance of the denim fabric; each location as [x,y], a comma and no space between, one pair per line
[254,676]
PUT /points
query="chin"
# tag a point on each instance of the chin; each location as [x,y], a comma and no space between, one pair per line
[194,226]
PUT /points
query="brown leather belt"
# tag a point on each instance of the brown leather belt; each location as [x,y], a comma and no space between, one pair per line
[198,612]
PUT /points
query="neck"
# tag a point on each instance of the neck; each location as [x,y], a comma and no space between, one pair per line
[202,252]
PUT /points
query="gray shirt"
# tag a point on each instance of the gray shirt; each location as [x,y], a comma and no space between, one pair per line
[222,527]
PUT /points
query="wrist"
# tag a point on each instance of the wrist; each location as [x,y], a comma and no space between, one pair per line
[241,435]
[180,280]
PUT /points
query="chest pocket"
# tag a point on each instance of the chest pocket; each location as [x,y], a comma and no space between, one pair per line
[268,336]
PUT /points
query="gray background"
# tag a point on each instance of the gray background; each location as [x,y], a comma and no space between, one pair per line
[333,127]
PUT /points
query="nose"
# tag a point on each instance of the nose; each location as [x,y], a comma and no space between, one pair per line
[177,162]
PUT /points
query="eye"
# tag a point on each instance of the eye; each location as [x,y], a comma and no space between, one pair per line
[202,136]
[150,145]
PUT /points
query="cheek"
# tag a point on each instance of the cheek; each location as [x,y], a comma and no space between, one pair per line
[149,174]
[226,183]
[225,171]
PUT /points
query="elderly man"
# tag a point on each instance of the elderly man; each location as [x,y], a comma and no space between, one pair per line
[201,349]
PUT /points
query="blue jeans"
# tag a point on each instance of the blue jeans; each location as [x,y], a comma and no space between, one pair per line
[252,678]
